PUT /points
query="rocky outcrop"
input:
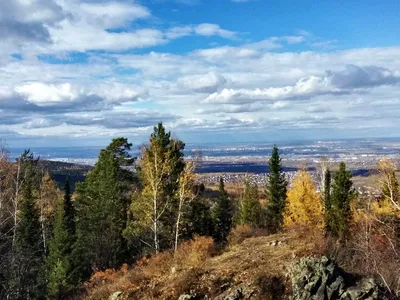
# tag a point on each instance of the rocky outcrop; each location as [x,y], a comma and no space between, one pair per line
[322,279]
[311,278]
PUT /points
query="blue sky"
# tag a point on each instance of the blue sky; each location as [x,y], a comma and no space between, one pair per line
[75,72]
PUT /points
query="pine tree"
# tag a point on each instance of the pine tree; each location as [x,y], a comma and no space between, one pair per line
[199,219]
[223,215]
[250,210]
[276,192]
[327,198]
[101,212]
[303,203]
[27,277]
[61,246]
[342,193]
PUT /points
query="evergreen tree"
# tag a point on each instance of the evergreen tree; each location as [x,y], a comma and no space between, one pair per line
[276,192]
[61,246]
[342,193]
[27,275]
[223,215]
[101,214]
[327,197]
[199,219]
[69,212]
[250,210]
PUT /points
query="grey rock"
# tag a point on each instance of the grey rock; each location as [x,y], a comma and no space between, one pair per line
[240,293]
[322,279]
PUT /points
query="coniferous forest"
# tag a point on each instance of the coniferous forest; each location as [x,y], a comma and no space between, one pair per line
[53,241]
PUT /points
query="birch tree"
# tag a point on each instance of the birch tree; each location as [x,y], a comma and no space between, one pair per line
[185,194]
[160,166]
[388,182]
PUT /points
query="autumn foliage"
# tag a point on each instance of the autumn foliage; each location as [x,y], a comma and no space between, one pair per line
[303,204]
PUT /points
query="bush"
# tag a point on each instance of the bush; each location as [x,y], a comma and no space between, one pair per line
[242,232]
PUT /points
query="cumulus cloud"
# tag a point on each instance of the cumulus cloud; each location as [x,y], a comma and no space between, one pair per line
[354,77]
[204,29]
[207,83]
[208,29]
[347,81]
[57,98]
[119,119]
[28,20]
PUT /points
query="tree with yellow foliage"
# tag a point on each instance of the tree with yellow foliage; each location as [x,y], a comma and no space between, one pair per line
[389,187]
[303,204]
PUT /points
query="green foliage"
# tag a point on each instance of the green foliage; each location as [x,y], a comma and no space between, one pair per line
[153,209]
[223,215]
[198,218]
[276,192]
[327,198]
[61,245]
[27,267]
[120,147]
[101,217]
[250,210]
[339,214]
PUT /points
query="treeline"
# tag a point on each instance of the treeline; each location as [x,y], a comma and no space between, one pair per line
[52,241]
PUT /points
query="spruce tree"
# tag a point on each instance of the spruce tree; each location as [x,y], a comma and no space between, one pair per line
[60,248]
[342,193]
[223,216]
[327,198]
[27,277]
[276,192]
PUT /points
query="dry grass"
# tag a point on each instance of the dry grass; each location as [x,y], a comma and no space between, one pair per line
[197,270]
[154,277]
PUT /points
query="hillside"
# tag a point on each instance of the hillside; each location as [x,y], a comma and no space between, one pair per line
[250,265]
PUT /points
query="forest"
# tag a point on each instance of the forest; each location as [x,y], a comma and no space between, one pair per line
[53,241]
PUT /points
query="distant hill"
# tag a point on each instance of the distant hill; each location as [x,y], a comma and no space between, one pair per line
[61,170]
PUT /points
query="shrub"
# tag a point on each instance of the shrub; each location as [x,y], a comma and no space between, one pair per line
[242,232]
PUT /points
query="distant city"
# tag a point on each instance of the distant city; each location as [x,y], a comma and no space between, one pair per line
[359,154]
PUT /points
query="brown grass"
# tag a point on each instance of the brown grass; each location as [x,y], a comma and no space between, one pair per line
[196,269]
[148,278]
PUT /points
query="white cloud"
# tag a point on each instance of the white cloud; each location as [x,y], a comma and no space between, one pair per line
[208,29]
[43,95]
[205,83]
[205,29]
[347,81]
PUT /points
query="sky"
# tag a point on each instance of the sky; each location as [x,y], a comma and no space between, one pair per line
[81,72]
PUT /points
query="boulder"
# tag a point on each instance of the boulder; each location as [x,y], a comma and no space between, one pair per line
[321,279]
